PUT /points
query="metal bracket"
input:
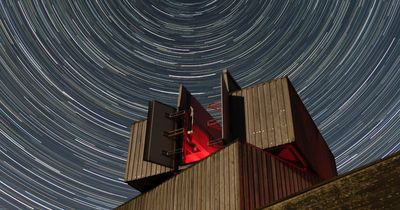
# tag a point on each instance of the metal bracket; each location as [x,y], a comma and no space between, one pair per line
[174,133]
[213,124]
[215,141]
[215,106]
[175,114]
[173,152]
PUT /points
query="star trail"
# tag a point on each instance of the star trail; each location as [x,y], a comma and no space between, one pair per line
[74,75]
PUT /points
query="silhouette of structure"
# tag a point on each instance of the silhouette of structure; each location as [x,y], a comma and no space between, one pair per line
[265,148]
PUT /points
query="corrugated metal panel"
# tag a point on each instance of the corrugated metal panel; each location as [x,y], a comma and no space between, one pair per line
[136,168]
[212,183]
[266,179]
[268,116]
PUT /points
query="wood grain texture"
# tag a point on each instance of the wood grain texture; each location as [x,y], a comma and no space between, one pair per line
[275,116]
[267,179]
[268,116]
[240,176]
[209,184]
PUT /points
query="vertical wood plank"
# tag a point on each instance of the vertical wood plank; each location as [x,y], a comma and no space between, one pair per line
[285,179]
[137,165]
[250,104]
[128,167]
[144,169]
[261,178]
[216,178]
[256,185]
[212,181]
[282,111]
[263,124]
[256,116]
[225,155]
[274,179]
[205,186]
[242,178]
[264,180]
[247,114]
[237,177]
[170,196]
[275,113]
[221,181]
[269,116]
[196,188]
[288,108]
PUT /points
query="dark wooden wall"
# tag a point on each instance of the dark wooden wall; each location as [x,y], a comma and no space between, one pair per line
[240,176]
[212,183]
[136,168]
[309,140]
[266,179]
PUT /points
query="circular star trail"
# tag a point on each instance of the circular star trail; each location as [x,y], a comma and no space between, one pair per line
[74,75]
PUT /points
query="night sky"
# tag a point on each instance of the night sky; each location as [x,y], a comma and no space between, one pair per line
[74,75]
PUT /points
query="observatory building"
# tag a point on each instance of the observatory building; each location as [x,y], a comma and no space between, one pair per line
[265,149]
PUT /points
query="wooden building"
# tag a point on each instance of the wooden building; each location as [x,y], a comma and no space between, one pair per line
[266,148]
[276,119]
[239,176]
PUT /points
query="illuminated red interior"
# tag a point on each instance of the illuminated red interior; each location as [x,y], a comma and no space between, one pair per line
[290,154]
[196,145]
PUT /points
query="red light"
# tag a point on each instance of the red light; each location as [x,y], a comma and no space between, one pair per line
[196,145]
[290,153]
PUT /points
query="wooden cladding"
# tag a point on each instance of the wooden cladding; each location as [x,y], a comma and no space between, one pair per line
[280,153]
[238,177]
[266,179]
[309,140]
[268,116]
[136,168]
[212,183]
[275,116]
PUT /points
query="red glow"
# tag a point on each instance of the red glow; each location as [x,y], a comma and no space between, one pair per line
[290,154]
[195,145]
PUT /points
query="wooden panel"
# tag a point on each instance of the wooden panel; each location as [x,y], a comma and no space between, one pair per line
[228,84]
[375,186]
[136,168]
[309,140]
[275,115]
[267,179]
[208,184]
[156,143]
[268,116]
[226,112]
[288,108]
[240,176]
